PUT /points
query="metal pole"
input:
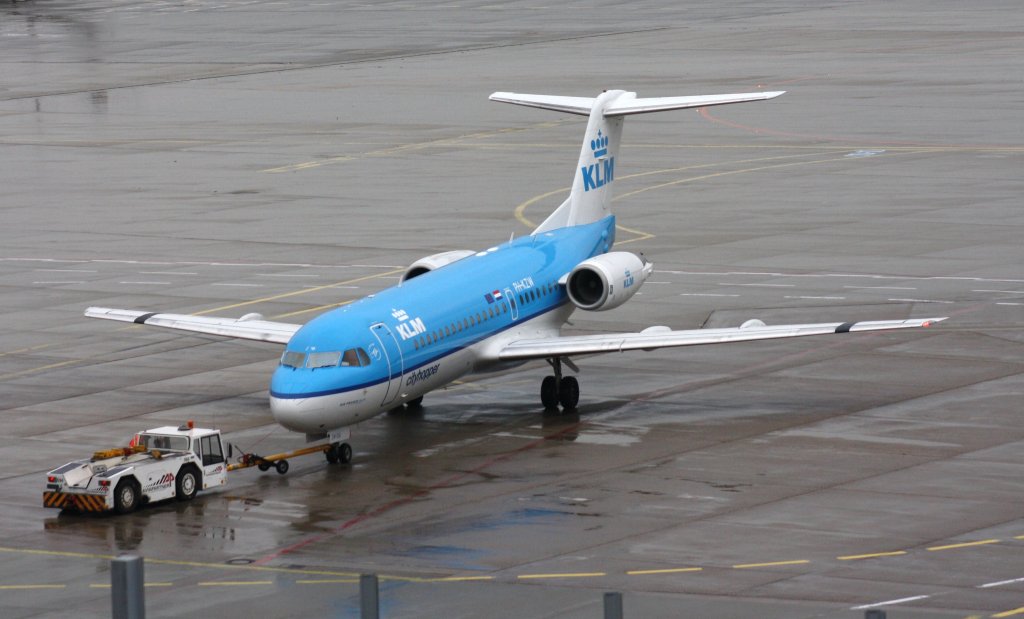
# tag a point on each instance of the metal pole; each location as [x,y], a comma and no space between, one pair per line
[369,601]
[874,614]
[126,582]
[613,605]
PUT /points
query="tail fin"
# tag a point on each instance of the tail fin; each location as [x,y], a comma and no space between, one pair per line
[591,195]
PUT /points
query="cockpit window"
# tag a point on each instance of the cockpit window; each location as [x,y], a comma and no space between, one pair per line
[293,359]
[323,360]
[355,357]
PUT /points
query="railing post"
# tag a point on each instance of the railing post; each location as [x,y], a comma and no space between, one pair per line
[369,601]
[613,605]
[126,588]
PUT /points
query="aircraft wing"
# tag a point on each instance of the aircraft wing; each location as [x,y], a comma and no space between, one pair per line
[656,337]
[251,327]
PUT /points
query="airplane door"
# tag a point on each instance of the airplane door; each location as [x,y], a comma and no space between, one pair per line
[512,304]
[392,355]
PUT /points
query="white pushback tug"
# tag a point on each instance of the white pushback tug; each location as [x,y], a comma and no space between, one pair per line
[159,464]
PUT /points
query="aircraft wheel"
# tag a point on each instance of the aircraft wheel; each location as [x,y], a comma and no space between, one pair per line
[281,466]
[332,454]
[345,453]
[569,394]
[549,392]
[263,466]
[415,402]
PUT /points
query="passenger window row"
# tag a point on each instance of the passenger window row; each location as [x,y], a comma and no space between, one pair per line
[482,316]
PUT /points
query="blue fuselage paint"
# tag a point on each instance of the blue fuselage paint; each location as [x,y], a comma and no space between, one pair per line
[431,326]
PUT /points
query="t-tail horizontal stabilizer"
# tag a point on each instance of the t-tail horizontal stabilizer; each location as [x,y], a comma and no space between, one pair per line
[591,195]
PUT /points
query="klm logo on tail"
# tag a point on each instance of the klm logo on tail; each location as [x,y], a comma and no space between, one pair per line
[602,171]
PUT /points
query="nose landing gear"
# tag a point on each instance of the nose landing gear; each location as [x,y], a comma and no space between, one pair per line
[338,452]
[558,389]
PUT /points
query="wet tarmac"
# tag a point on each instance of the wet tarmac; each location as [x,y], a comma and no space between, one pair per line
[229,157]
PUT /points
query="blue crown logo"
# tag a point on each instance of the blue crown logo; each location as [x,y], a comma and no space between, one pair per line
[599,145]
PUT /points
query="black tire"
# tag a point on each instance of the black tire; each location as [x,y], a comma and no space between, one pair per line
[281,466]
[332,454]
[569,394]
[397,410]
[345,453]
[127,496]
[187,483]
[263,466]
[549,392]
[415,403]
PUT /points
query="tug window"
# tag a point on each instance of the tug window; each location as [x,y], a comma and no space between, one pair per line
[212,453]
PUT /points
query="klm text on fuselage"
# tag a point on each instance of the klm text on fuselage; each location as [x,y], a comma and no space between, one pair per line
[597,175]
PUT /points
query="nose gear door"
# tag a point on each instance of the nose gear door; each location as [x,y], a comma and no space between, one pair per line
[393,358]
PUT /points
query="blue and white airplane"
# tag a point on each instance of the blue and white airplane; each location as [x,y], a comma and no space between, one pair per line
[460,312]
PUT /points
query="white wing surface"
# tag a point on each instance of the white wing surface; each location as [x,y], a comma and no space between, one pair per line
[656,337]
[627,103]
[250,327]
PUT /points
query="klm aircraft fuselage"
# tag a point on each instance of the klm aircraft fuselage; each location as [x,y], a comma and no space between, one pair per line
[430,330]
[459,312]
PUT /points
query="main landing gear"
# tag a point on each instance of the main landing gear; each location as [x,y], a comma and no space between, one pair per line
[558,389]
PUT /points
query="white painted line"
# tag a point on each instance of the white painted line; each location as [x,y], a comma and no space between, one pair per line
[919,301]
[891,602]
[830,298]
[761,285]
[881,287]
[697,294]
[240,285]
[292,275]
[1002,291]
[43,260]
[104,261]
[843,275]
[147,283]
[1000,583]
[1008,303]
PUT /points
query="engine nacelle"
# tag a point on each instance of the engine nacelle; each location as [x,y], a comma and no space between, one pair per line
[607,281]
[424,265]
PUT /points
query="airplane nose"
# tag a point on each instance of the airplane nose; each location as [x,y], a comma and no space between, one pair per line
[292,413]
